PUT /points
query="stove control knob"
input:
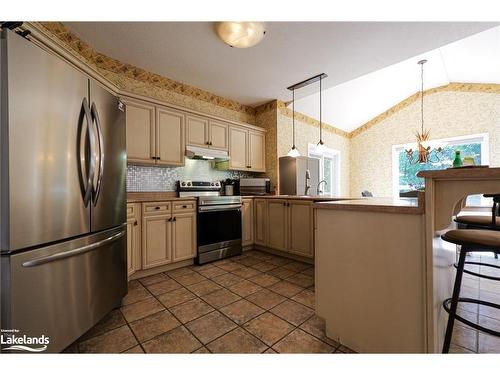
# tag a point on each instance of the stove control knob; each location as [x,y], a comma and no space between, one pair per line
[217,183]
[189,183]
[212,184]
[183,183]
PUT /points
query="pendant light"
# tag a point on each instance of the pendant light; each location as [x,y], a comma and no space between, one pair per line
[320,147]
[293,151]
[425,152]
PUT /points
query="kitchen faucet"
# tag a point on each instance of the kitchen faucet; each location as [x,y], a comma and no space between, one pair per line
[308,178]
[318,191]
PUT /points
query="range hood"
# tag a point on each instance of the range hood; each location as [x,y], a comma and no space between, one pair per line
[200,153]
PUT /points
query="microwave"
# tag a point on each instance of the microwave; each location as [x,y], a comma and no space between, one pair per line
[255,186]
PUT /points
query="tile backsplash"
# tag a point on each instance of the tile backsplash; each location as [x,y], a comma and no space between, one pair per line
[140,178]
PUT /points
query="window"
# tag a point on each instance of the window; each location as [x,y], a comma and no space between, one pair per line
[329,167]
[405,174]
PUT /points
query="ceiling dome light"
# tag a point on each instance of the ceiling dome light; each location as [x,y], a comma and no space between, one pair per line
[240,34]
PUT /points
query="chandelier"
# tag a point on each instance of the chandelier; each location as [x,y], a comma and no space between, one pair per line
[424,153]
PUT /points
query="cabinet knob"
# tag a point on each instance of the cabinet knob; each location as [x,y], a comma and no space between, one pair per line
[175,219]
[135,223]
[184,206]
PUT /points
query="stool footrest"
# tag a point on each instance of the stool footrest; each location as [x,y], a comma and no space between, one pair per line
[480,274]
[446,306]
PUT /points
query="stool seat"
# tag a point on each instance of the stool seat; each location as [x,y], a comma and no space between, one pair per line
[476,239]
[477,220]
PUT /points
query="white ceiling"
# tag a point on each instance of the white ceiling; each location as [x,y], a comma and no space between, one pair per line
[353,103]
[190,52]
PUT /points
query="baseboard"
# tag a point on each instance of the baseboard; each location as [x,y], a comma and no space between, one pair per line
[155,270]
[283,254]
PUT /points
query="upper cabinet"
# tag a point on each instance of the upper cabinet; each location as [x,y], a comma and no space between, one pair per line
[218,137]
[159,135]
[197,131]
[202,132]
[246,149]
[170,146]
[140,123]
[155,135]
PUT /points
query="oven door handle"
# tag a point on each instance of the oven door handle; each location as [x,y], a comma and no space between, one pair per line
[220,207]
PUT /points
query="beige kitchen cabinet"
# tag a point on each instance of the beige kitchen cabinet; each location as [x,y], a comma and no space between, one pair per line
[246,149]
[288,225]
[247,223]
[133,238]
[300,226]
[218,136]
[168,232]
[156,240]
[184,236]
[277,217]
[197,131]
[260,221]
[170,144]
[140,127]
[256,151]
[238,148]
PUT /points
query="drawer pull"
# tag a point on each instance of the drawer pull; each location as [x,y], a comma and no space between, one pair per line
[157,208]
[184,206]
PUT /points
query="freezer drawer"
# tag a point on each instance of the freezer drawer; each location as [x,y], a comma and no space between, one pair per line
[61,291]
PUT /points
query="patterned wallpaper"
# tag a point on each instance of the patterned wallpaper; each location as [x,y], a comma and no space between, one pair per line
[447,114]
[141,178]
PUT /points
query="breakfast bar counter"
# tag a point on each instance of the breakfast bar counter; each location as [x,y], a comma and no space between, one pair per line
[382,270]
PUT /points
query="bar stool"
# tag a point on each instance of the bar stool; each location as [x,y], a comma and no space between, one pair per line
[475,240]
[483,222]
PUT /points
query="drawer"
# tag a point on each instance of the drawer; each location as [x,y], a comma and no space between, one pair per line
[183,206]
[153,208]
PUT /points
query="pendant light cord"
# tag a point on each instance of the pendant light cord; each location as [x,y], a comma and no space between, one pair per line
[293,117]
[320,111]
[422,95]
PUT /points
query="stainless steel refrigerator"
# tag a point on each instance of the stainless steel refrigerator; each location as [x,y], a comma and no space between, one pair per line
[299,175]
[62,196]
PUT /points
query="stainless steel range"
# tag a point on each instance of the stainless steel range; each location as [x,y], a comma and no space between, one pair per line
[218,220]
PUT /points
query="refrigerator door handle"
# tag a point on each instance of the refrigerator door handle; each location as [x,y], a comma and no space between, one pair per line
[100,154]
[74,252]
[90,167]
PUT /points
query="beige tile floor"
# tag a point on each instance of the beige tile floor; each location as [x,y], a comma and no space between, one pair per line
[253,303]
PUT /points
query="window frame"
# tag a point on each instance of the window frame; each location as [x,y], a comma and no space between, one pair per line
[334,156]
[482,138]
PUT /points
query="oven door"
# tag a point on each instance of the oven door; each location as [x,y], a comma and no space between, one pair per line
[218,226]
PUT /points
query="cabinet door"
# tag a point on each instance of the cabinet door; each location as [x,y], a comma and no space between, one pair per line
[170,137]
[238,148]
[156,240]
[140,125]
[277,231]
[184,236]
[133,238]
[196,131]
[256,151]
[247,222]
[218,135]
[300,228]
[260,223]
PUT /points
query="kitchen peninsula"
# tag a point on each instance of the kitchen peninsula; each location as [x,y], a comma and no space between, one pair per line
[380,283]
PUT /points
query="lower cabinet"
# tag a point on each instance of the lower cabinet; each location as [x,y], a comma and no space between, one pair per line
[277,224]
[156,240]
[260,221]
[290,226]
[133,238]
[247,222]
[184,236]
[160,233]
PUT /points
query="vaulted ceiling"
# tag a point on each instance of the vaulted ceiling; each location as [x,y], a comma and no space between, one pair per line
[190,52]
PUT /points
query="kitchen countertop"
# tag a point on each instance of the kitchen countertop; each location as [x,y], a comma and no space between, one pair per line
[389,205]
[314,198]
[139,197]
